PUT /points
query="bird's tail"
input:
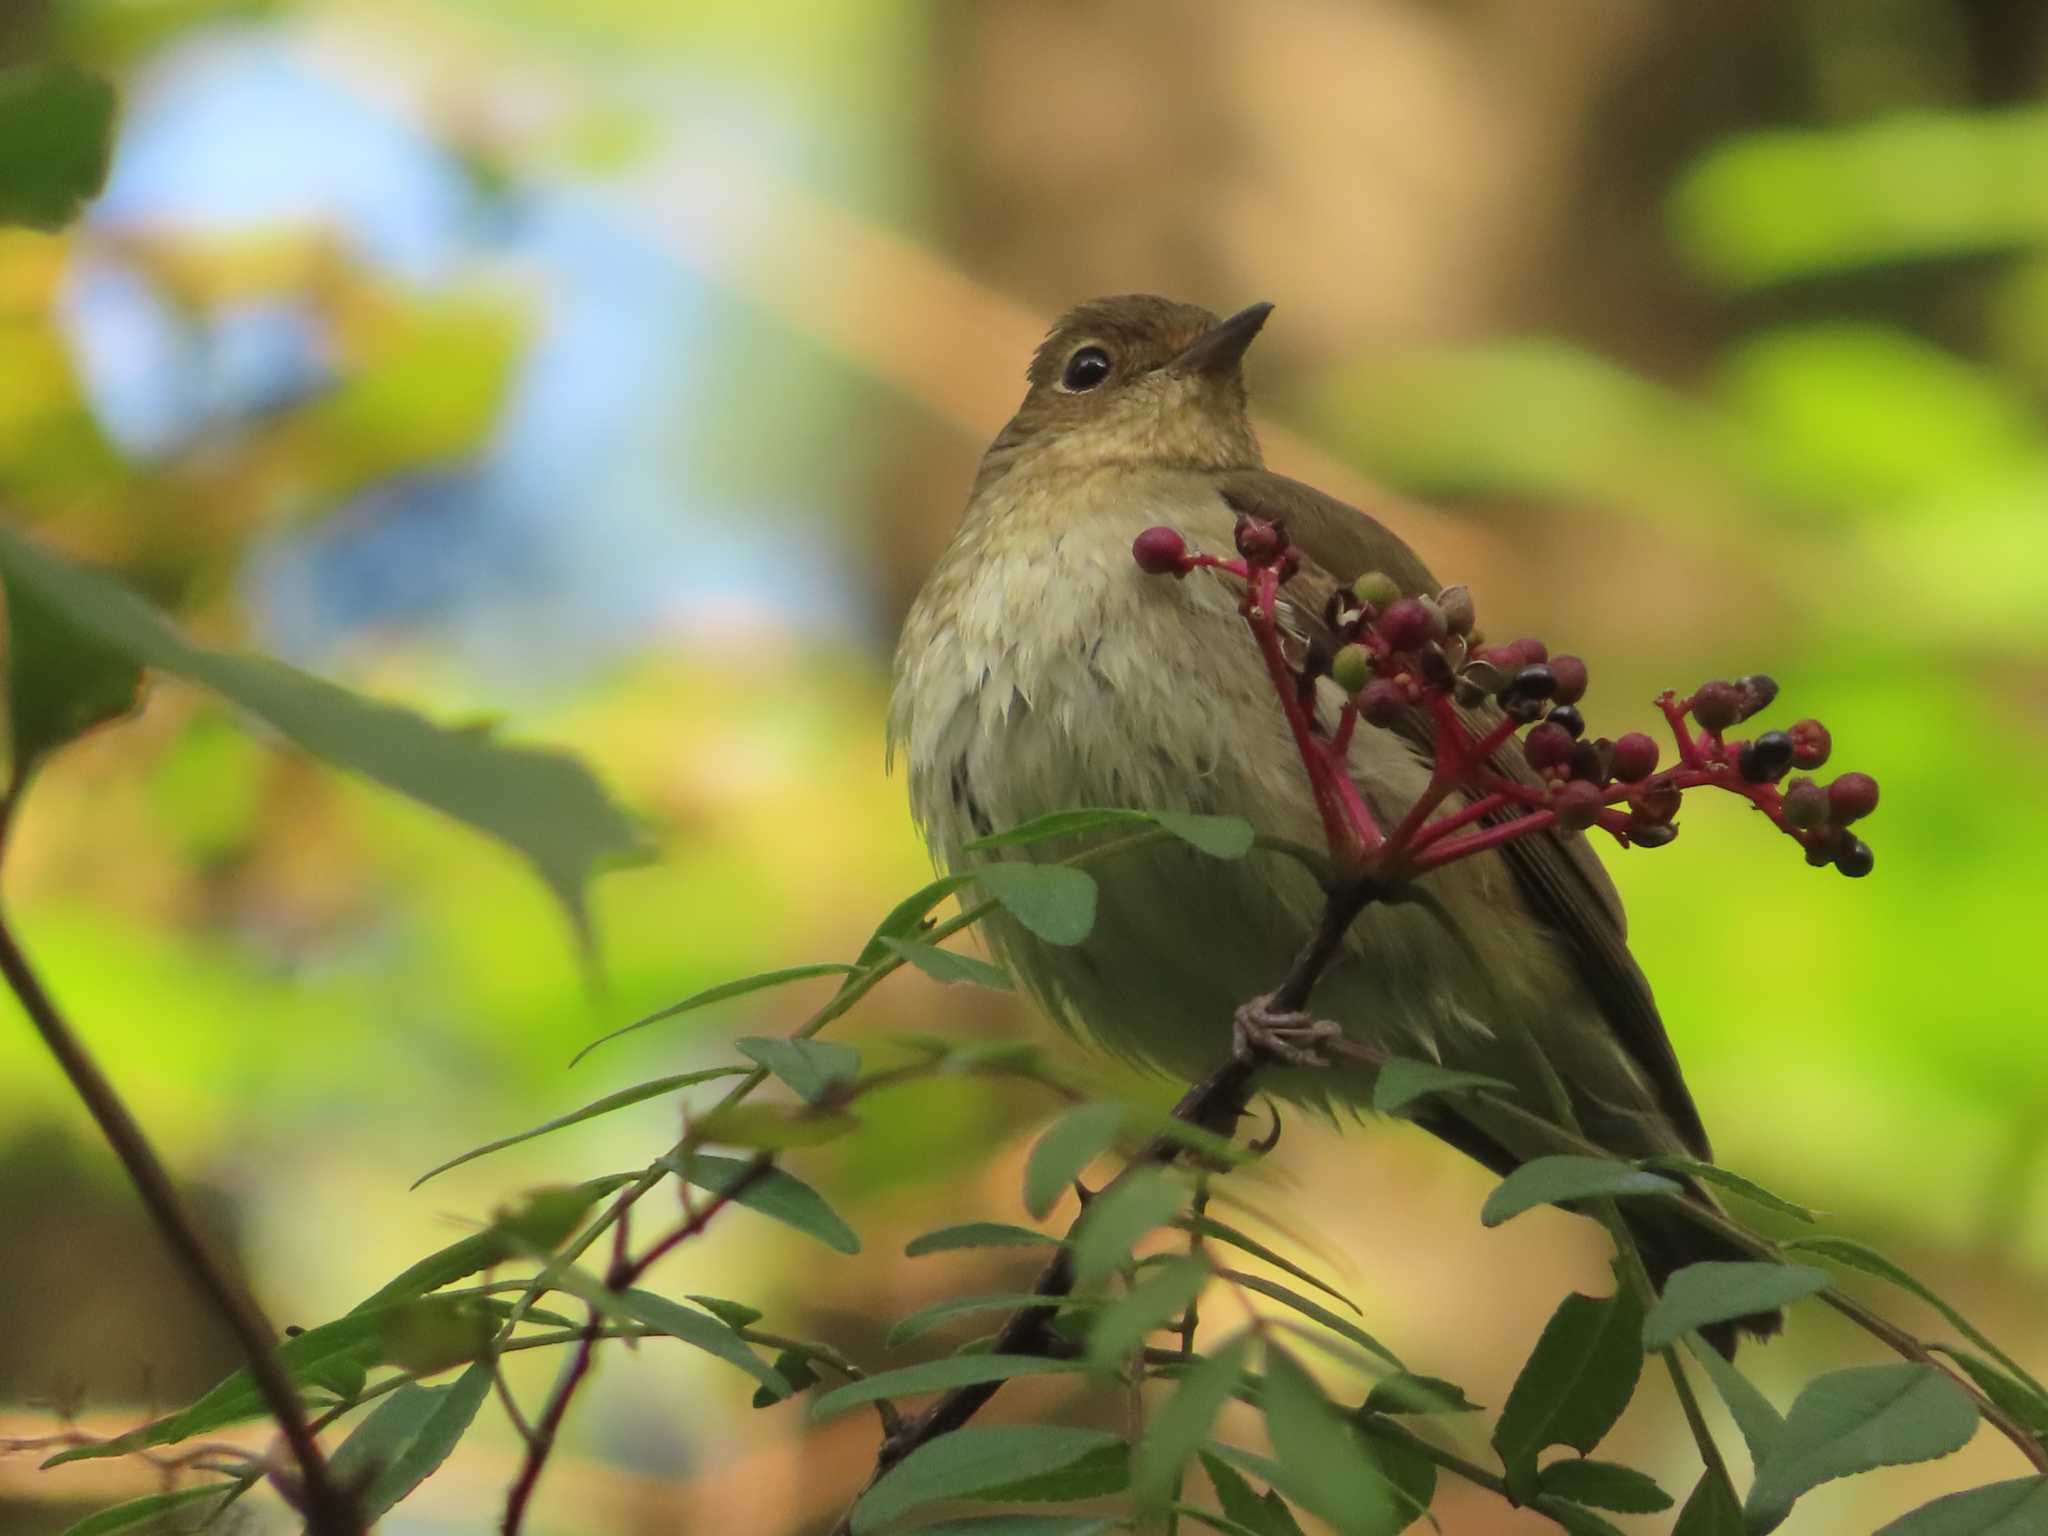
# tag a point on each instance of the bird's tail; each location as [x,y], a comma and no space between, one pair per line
[1668,1242]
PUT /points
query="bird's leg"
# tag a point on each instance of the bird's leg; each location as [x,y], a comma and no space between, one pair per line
[1258,1031]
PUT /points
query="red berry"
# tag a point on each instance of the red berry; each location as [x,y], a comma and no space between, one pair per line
[1635,757]
[1806,804]
[1578,804]
[1851,797]
[1717,706]
[1757,691]
[1504,659]
[1657,800]
[1651,834]
[1530,650]
[1290,563]
[1548,746]
[1405,624]
[1810,744]
[1571,679]
[1384,701]
[1160,552]
[1259,541]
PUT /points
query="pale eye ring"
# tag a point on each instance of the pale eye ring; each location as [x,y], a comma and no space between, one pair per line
[1085,369]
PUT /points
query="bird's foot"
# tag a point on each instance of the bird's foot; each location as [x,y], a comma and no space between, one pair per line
[1294,1039]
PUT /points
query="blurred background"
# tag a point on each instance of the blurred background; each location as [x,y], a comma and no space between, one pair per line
[613,370]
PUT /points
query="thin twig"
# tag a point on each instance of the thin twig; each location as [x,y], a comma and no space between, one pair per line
[328,1510]
[623,1273]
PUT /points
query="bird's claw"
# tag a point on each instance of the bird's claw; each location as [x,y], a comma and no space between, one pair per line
[1295,1039]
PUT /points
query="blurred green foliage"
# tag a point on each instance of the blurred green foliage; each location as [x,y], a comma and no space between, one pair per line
[315,986]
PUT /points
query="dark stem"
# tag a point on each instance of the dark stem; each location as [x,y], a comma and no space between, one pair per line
[328,1510]
[621,1275]
[1214,1105]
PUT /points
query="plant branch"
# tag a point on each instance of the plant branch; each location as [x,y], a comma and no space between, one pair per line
[622,1274]
[328,1509]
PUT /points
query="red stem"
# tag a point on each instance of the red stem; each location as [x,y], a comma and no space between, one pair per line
[623,1275]
[1444,852]
[1348,826]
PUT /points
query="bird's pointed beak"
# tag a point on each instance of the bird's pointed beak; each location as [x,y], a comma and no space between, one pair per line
[1221,347]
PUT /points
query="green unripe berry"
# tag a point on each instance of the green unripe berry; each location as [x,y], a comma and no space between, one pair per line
[1352,668]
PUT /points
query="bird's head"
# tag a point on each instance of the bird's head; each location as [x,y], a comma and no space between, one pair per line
[1139,380]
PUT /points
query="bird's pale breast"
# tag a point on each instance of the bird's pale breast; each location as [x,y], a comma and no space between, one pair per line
[1040,670]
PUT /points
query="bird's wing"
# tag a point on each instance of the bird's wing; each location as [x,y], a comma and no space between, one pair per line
[1558,874]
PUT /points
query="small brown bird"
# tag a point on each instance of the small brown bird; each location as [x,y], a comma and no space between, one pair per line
[1040,670]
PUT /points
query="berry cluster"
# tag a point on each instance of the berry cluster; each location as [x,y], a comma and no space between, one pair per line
[1421,661]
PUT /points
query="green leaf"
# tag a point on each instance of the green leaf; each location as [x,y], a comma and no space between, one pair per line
[542,804]
[56,138]
[734,1314]
[1023,1525]
[949,965]
[723,992]
[480,1250]
[1734,1183]
[1118,1217]
[1182,1423]
[925,1319]
[1847,1251]
[1553,1180]
[1713,1509]
[2016,1508]
[1069,1144]
[1718,1292]
[305,1358]
[1330,1320]
[1604,1485]
[794,1367]
[1402,1081]
[1408,1470]
[776,1193]
[542,1220]
[2015,1397]
[1265,1514]
[699,1329]
[907,917]
[427,1336]
[140,1512]
[1325,1467]
[936,1376]
[1105,1470]
[405,1440]
[978,1234]
[773,1127]
[61,681]
[811,1068]
[1854,1421]
[637,1094]
[1222,837]
[1405,1392]
[973,1462]
[1052,900]
[1210,1227]
[1578,1520]
[1761,1424]
[1574,1384]
[1164,1293]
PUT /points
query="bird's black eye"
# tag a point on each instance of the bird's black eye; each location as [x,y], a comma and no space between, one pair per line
[1085,369]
